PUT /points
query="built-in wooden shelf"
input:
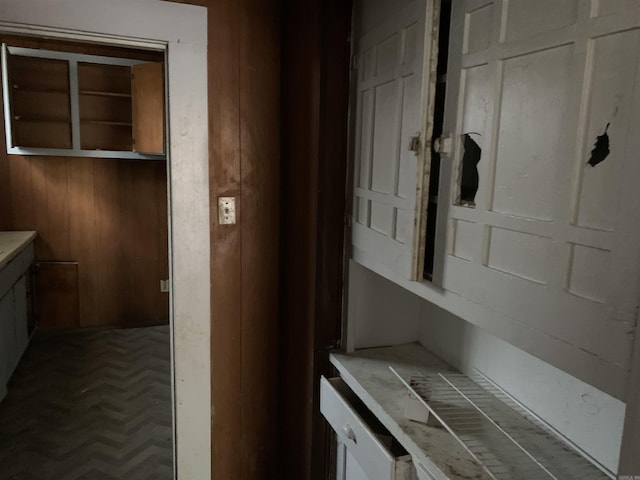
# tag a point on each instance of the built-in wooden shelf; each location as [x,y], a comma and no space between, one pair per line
[66,101]
[39,89]
[23,118]
[98,93]
[107,122]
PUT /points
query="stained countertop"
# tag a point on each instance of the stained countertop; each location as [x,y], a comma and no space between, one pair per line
[367,373]
[12,243]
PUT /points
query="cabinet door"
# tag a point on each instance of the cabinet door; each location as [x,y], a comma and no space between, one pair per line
[544,96]
[20,318]
[57,295]
[389,102]
[6,339]
[37,101]
[147,91]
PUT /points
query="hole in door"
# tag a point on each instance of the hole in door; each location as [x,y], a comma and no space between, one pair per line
[438,123]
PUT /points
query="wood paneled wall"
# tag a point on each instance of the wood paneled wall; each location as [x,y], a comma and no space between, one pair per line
[263,338]
[109,216]
[316,78]
[5,192]
[301,81]
[272,309]
[244,139]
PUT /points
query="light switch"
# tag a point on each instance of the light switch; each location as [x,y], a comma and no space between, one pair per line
[226,210]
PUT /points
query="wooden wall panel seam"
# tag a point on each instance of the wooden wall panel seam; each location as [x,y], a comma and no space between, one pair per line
[226,282]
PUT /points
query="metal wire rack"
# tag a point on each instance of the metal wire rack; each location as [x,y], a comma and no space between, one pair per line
[504,437]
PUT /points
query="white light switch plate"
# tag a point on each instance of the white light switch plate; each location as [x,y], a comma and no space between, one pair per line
[226,210]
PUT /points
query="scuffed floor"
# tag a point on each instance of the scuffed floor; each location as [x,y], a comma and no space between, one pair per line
[90,404]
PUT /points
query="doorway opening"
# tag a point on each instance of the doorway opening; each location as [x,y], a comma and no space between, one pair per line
[92,394]
[181,32]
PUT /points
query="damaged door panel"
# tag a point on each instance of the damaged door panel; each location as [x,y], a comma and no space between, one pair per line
[600,149]
[550,182]
[469,178]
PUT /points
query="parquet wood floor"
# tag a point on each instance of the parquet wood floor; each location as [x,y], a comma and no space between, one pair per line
[90,405]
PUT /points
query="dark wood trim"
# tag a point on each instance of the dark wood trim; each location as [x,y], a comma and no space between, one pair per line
[300,95]
[6,203]
[332,177]
[260,184]
[315,92]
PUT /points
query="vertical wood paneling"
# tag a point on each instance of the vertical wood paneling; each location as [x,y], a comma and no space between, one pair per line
[106,215]
[40,205]
[83,240]
[6,206]
[162,217]
[124,248]
[143,201]
[57,301]
[301,81]
[260,169]
[226,250]
[316,79]
[244,87]
[22,210]
[5,195]
[57,197]
[244,133]
[109,242]
[332,181]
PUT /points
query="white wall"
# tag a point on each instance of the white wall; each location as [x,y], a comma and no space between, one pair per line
[381,318]
[589,417]
[382,313]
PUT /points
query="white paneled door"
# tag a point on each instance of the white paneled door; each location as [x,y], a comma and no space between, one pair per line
[538,201]
[390,46]
[547,90]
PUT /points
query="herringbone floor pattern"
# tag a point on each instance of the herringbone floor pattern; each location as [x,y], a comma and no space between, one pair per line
[90,405]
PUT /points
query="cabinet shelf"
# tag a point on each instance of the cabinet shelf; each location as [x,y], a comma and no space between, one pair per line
[40,89]
[21,118]
[106,122]
[62,102]
[98,93]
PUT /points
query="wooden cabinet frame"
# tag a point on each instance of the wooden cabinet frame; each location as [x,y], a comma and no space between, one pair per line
[73,59]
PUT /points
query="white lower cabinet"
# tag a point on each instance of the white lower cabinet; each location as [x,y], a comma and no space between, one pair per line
[366,449]
[14,335]
[6,336]
[14,313]
[20,319]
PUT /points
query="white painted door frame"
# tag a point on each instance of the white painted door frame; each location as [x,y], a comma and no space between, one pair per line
[181,31]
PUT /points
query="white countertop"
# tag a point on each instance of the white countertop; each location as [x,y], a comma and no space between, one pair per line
[367,373]
[12,243]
